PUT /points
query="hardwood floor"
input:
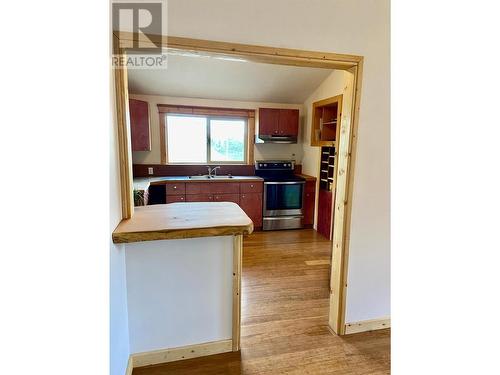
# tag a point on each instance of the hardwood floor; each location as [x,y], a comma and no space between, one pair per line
[285,317]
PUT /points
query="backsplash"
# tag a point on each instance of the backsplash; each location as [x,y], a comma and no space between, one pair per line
[141,170]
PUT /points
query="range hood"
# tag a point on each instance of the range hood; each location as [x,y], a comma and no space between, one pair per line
[275,138]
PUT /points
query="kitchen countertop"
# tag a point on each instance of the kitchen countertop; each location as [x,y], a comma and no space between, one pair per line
[306,177]
[183,220]
[142,183]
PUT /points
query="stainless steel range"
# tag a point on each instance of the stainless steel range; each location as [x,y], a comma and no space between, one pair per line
[283,206]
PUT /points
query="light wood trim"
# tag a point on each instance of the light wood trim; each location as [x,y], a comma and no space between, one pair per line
[337,280]
[130,366]
[163,138]
[184,352]
[237,260]
[334,99]
[357,74]
[271,55]
[367,325]
[280,56]
[250,140]
[124,143]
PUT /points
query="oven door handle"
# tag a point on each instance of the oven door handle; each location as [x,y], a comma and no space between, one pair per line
[284,182]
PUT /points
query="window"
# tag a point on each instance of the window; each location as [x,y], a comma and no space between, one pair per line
[205,139]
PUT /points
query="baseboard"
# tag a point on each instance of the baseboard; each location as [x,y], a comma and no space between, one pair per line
[367,325]
[176,354]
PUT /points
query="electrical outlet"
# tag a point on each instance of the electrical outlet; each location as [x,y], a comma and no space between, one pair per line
[150,170]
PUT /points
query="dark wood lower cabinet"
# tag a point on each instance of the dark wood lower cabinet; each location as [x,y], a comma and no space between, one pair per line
[248,195]
[251,203]
[175,198]
[325,213]
[309,201]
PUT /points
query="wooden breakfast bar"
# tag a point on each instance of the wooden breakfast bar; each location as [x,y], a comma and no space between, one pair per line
[183,271]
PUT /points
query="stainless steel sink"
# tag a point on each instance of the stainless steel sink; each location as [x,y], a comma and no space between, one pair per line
[220,177]
[207,177]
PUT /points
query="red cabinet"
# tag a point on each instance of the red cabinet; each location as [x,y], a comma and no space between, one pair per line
[248,195]
[251,203]
[325,213]
[281,122]
[139,125]
[309,201]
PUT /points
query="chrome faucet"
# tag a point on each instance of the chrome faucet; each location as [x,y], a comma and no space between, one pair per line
[212,170]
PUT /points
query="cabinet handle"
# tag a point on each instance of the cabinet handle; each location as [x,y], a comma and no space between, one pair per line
[251,186]
[243,196]
[182,198]
[175,187]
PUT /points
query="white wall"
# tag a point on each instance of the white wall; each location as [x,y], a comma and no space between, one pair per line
[179,292]
[118,324]
[345,26]
[262,151]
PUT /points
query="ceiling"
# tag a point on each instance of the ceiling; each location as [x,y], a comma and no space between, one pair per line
[209,77]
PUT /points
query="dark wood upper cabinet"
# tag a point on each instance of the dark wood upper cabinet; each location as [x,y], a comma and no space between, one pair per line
[139,125]
[278,122]
[289,122]
[268,121]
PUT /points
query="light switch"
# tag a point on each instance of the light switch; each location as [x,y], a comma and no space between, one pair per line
[150,170]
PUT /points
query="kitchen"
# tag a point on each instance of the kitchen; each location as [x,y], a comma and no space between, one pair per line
[235,165]
[273,138]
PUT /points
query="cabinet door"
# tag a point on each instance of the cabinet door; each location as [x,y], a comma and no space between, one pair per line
[224,187]
[139,125]
[309,197]
[251,203]
[175,188]
[269,121]
[235,198]
[251,187]
[325,213]
[175,198]
[289,122]
[199,198]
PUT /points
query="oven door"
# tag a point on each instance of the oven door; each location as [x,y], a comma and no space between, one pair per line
[283,198]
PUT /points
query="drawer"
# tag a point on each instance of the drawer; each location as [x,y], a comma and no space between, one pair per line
[251,187]
[235,198]
[224,187]
[175,198]
[175,188]
[197,187]
[199,198]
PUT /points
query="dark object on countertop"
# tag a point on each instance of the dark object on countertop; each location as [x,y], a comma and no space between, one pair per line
[157,194]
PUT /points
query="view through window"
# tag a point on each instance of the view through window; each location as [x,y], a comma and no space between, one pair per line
[203,139]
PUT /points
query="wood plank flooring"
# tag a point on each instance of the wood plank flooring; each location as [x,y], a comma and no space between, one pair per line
[285,317]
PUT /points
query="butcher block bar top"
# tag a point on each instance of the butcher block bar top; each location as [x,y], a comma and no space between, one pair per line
[183,220]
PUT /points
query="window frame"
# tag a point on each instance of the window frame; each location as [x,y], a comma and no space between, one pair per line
[247,115]
[208,119]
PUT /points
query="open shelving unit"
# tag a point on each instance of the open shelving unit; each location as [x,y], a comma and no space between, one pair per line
[326,116]
[327,168]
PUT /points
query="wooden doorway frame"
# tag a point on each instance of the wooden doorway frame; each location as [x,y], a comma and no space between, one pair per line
[346,145]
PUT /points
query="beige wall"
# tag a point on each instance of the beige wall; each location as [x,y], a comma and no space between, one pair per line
[262,151]
[359,27]
[333,85]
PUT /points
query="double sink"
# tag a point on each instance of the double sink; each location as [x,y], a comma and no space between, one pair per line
[209,177]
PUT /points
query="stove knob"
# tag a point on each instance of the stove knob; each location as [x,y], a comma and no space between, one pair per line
[265,165]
